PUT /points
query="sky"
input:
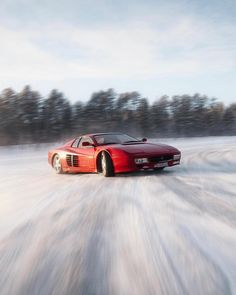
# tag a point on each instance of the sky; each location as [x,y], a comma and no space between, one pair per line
[154,47]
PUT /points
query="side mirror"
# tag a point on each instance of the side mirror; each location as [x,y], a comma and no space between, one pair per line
[144,139]
[86,143]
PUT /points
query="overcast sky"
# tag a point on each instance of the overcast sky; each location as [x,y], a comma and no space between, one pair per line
[154,47]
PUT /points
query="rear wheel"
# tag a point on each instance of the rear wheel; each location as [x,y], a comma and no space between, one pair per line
[107,165]
[57,164]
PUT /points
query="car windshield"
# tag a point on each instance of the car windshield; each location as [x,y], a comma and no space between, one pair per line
[103,139]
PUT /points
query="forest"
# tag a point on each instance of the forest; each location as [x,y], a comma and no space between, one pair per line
[28,117]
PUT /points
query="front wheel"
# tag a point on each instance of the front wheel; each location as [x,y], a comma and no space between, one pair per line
[107,165]
[57,164]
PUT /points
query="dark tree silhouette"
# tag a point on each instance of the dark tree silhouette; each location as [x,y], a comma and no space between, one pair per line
[28,117]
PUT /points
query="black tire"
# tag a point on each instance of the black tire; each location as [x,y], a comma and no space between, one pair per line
[107,165]
[56,164]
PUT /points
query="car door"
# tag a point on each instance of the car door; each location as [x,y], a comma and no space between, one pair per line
[85,155]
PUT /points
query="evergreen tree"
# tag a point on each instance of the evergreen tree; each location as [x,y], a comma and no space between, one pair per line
[160,117]
[28,117]
[56,116]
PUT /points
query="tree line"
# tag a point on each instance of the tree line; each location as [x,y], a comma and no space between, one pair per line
[27,116]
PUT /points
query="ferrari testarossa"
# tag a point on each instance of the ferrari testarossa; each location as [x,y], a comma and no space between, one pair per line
[111,153]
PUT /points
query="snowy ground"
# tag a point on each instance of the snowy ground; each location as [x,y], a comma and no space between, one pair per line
[147,233]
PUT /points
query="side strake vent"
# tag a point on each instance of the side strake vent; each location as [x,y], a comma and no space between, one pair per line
[72,160]
[75,161]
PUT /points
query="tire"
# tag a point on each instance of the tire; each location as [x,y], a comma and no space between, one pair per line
[107,165]
[57,164]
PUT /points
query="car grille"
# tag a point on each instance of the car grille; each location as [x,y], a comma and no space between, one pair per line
[161,158]
[72,160]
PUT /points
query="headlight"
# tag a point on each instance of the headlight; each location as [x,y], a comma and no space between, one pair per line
[176,157]
[141,160]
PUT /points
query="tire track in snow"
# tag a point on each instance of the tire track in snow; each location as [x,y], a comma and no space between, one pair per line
[136,233]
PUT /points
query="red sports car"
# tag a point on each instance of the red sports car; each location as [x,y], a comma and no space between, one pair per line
[111,153]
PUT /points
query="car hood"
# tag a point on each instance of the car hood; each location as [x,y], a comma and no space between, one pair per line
[146,148]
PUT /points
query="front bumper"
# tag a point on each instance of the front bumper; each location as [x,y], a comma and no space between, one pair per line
[129,165]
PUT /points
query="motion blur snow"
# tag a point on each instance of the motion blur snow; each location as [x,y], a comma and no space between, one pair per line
[170,232]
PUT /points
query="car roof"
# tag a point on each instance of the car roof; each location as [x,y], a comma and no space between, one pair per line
[102,133]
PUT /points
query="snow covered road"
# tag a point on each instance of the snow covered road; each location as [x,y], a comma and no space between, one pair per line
[172,232]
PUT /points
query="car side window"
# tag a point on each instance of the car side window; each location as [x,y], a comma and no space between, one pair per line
[85,139]
[76,143]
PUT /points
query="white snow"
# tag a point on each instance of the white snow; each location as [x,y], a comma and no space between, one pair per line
[142,233]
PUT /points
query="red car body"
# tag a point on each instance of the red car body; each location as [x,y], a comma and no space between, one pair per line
[84,154]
